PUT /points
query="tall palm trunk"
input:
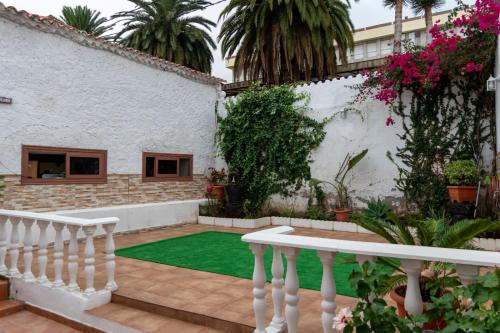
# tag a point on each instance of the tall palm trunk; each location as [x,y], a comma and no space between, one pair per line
[398,26]
[428,22]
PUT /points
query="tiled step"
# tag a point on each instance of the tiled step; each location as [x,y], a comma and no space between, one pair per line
[8,307]
[26,321]
[146,321]
[185,315]
[4,290]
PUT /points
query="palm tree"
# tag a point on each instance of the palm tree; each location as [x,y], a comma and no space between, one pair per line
[86,19]
[398,22]
[426,7]
[279,41]
[168,29]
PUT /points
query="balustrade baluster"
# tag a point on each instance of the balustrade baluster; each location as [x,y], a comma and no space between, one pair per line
[292,288]
[467,273]
[110,256]
[42,252]
[28,250]
[413,298]
[14,247]
[73,258]
[89,259]
[328,291]
[58,255]
[3,244]
[278,294]
[259,291]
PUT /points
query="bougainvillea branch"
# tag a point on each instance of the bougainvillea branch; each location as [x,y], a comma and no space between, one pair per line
[439,93]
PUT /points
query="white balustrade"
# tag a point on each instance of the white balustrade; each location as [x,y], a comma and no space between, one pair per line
[58,255]
[14,247]
[73,258]
[278,321]
[259,293]
[328,291]
[292,289]
[3,244]
[11,244]
[42,252]
[110,256]
[89,259]
[28,249]
[412,259]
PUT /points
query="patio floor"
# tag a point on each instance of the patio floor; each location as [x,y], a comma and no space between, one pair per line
[216,298]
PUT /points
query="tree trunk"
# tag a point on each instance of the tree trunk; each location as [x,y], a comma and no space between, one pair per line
[398,26]
[428,22]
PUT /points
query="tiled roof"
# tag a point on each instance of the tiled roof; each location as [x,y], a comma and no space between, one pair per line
[49,24]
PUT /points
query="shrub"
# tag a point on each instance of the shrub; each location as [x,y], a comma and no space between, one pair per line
[267,139]
[461,173]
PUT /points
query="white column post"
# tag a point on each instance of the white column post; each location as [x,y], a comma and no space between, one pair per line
[278,294]
[413,298]
[42,252]
[110,256]
[28,250]
[14,247]
[58,255]
[467,273]
[328,291]
[292,289]
[73,258]
[89,259]
[259,291]
[3,244]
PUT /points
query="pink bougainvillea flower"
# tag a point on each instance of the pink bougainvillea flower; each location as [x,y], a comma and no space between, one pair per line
[472,67]
[389,121]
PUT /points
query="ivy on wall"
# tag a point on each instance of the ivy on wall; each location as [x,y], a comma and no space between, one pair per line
[267,139]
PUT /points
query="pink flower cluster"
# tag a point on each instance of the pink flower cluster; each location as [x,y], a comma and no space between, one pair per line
[452,51]
[484,17]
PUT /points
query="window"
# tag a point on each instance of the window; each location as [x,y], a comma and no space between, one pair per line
[164,167]
[52,165]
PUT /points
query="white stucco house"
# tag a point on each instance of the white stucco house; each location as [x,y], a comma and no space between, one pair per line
[88,123]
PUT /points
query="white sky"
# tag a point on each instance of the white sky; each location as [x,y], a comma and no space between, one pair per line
[364,13]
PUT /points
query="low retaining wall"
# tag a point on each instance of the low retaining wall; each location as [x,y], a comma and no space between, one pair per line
[143,216]
[490,244]
[132,217]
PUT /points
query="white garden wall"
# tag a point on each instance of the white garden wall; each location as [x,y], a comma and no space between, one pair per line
[66,94]
[351,132]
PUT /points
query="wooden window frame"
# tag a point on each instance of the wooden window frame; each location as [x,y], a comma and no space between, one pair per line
[102,155]
[166,156]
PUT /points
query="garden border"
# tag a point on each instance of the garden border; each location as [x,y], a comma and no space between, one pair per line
[490,244]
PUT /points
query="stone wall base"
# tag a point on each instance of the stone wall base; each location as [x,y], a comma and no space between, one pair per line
[120,189]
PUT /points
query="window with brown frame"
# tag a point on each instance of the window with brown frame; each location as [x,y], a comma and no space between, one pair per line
[55,165]
[164,167]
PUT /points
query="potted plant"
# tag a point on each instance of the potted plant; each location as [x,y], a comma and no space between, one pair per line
[435,232]
[342,207]
[217,181]
[462,179]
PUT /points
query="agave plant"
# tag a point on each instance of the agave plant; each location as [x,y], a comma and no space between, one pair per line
[434,232]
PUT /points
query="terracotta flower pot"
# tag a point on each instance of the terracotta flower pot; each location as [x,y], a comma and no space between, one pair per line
[342,214]
[400,303]
[462,194]
[218,191]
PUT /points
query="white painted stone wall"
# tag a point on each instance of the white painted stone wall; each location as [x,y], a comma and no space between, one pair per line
[66,94]
[351,132]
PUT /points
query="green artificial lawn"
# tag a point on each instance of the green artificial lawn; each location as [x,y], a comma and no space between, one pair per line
[225,253]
